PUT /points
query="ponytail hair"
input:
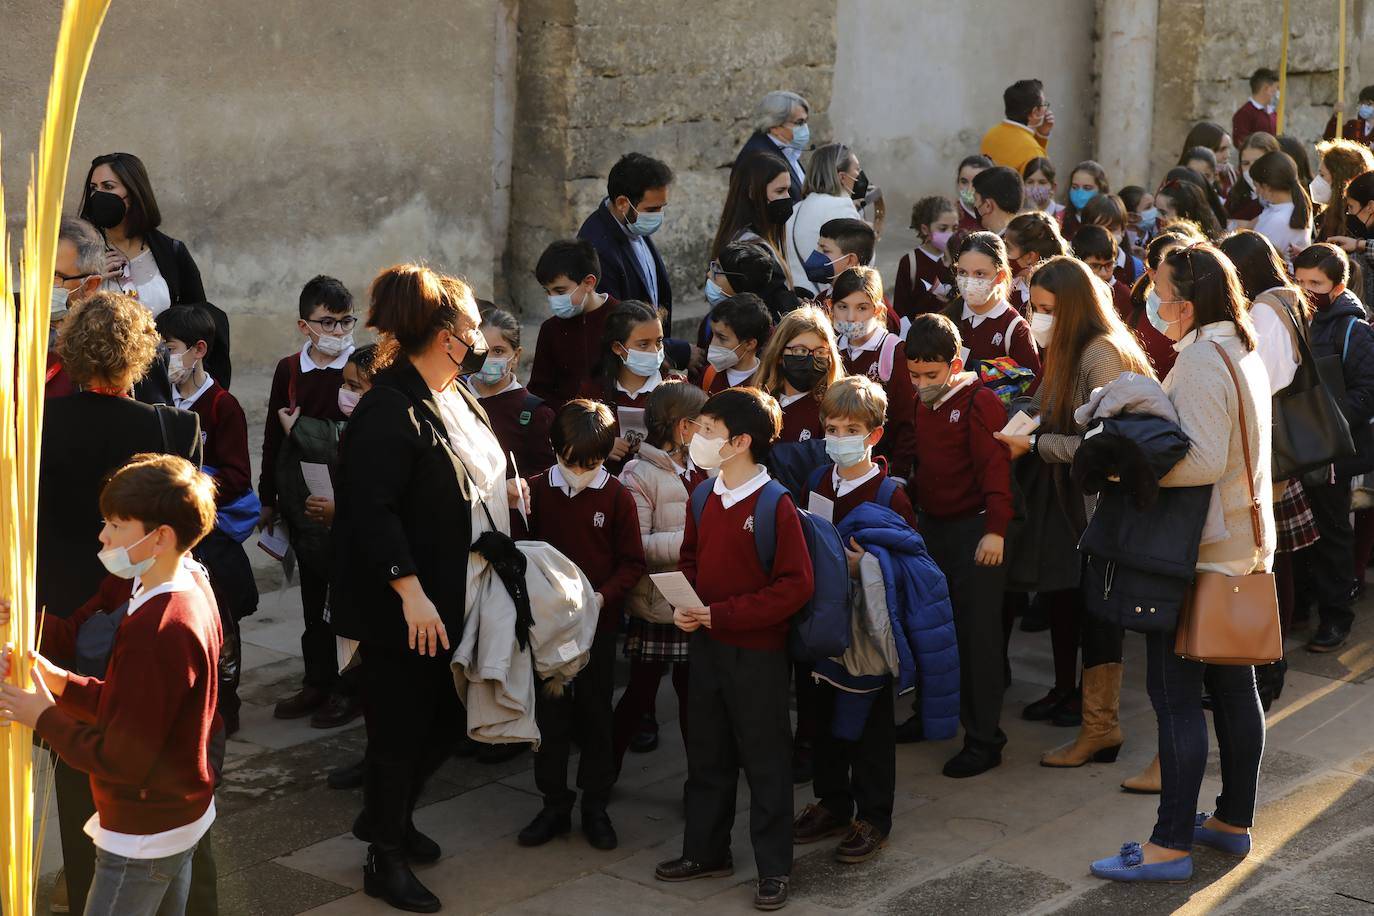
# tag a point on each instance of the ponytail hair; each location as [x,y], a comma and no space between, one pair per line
[1277,170]
[411,304]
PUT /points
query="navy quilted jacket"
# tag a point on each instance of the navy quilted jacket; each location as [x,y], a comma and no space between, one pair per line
[1342,330]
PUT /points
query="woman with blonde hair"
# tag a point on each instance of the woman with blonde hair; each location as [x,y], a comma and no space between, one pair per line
[1341,161]
[800,363]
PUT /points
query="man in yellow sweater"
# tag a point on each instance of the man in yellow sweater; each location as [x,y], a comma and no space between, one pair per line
[1025,134]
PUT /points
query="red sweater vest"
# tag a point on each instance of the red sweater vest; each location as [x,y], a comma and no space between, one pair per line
[801,420]
[961,469]
[1006,335]
[866,492]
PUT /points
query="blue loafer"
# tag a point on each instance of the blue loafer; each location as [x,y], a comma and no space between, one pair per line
[1236,844]
[1129,865]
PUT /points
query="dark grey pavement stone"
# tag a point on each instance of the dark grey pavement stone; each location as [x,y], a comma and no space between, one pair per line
[1299,900]
[1123,899]
[1348,871]
[265,685]
[253,781]
[1330,664]
[1330,810]
[818,878]
[268,889]
[984,888]
[269,830]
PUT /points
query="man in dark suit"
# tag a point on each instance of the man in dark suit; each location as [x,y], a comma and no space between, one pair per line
[620,230]
[781,127]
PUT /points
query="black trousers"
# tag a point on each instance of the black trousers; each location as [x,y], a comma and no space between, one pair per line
[738,703]
[976,593]
[584,709]
[317,639]
[1330,560]
[856,775]
[412,714]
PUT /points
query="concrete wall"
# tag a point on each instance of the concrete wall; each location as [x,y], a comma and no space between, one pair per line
[286,138]
[918,83]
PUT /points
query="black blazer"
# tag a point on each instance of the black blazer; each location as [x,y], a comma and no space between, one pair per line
[759,142]
[402,509]
[87,437]
[179,269]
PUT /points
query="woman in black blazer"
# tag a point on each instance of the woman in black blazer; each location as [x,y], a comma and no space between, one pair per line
[420,476]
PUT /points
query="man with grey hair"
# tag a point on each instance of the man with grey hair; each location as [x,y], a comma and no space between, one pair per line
[79,268]
[782,128]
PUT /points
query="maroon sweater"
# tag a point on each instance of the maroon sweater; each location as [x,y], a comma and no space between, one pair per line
[898,444]
[720,381]
[142,732]
[1007,335]
[969,221]
[525,436]
[801,420]
[961,470]
[315,392]
[1354,129]
[596,529]
[913,294]
[224,435]
[1249,119]
[566,353]
[750,607]
[866,492]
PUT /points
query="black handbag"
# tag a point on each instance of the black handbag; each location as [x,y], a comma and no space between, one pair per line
[1310,431]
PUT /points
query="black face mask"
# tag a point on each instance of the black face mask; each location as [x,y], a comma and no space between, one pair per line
[803,372]
[860,187]
[105,210]
[780,211]
[472,360]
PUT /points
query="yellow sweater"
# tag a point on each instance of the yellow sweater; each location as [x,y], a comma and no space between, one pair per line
[1013,145]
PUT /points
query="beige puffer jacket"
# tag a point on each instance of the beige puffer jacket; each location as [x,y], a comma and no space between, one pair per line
[661,497]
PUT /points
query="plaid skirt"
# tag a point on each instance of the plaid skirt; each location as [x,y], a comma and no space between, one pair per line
[655,642]
[1297,526]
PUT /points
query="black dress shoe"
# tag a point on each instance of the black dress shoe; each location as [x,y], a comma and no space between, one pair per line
[419,848]
[771,894]
[500,753]
[1045,707]
[339,709]
[684,869]
[596,826]
[1069,714]
[1329,637]
[912,730]
[350,777]
[301,704]
[646,739]
[971,761]
[386,875]
[546,825]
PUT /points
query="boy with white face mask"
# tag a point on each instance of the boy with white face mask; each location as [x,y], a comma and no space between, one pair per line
[740,326]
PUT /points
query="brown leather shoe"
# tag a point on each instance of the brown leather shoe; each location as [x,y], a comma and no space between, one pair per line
[816,823]
[771,893]
[301,704]
[861,844]
[1147,782]
[1099,738]
[684,869]
[339,709]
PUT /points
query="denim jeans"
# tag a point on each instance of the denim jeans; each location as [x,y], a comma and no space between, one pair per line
[1175,685]
[139,887]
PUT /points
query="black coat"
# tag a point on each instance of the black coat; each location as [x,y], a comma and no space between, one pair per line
[401,510]
[179,269]
[1341,331]
[87,437]
[759,142]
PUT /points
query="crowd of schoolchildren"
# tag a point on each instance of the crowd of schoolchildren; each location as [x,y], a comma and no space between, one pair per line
[815,440]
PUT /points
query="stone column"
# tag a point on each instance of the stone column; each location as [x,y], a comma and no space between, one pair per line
[1126,88]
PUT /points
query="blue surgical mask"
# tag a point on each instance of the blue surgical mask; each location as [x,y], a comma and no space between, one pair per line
[801,137]
[1152,303]
[1079,197]
[493,370]
[846,451]
[714,294]
[563,306]
[1148,219]
[643,363]
[1365,111]
[819,268]
[117,563]
[645,224]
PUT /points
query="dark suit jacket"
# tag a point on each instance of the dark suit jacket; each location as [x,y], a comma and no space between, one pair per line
[759,142]
[87,437]
[401,511]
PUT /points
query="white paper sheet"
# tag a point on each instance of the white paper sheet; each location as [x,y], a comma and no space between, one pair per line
[676,589]
[632,424]
[1023,424]
[520,503]
[317,479]
[819,505]
[274,541]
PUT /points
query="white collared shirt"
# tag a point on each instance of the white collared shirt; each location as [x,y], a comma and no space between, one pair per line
[843,486]
[787,400]
[650,384]
[974,319]
[186,403]
[512,385]
[181,581]
[309,365]
[729,497]
[1026,127]
[557,479]
[875,340]
[968,379]
[738,376]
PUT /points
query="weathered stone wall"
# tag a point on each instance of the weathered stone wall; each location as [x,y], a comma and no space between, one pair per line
[285,138]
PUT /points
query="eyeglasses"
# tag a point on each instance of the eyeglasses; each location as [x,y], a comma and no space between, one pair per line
[821,353]
[329,324]
[66,279]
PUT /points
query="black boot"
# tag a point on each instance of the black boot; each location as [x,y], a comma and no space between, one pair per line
[419,849]
[1269,680]
[386,875]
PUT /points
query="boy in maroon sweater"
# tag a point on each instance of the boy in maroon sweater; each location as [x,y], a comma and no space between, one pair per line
[306,384]
[963,492]
[853,775]
[569,343]
[142,732]
[579,508]
[738,700]
[1257,113]
[740,327]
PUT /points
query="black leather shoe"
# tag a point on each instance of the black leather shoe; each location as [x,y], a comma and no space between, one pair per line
[1069,714]
[350,777]
[386,875]
[646,739]
[971,761]
[912,730]
[419,849]
[1328,638]
[301,703]
[339,709]
[1045,707]
[499,753]
[771,894]
[546,825]
[596,826]
[683,869]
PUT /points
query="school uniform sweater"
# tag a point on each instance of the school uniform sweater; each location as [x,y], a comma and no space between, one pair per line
[969,220]
[315,392]
[961,470]
[1250,118]
[865,492]
[801,420]
[898,444]
[224,436]
[598,529]
[1006,334]
[750,606]
[142,732]
[524,433]
[915,293]
[566,353]
[720,381]
[1356,129]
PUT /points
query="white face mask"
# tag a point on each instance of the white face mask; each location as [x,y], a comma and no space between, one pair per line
[705,453]
[1042,328]
[975,290]
[722,358]
[578,480]
[330,345]
[117,563]
[177,370]
[1321,191]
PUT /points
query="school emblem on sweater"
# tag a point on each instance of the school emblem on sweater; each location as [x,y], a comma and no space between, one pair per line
[805,434]
[599,520]
[954,416]
[749,523]
[997,339]
[873,373]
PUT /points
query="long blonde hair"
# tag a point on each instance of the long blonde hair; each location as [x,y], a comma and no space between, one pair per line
[794,324]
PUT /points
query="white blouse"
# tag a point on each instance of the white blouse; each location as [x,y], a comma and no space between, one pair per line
[143,280]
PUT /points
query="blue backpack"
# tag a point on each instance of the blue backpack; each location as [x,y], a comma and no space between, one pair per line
[820,629]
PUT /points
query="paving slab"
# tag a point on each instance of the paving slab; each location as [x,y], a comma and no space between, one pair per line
[983,888]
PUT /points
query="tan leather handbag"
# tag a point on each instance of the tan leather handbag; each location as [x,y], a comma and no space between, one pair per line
[1233,620]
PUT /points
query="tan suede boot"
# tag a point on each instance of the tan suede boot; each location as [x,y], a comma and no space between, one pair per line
[1099,738]
[1147,781]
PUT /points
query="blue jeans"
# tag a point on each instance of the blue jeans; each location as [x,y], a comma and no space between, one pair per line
[1175,685]
[139,887]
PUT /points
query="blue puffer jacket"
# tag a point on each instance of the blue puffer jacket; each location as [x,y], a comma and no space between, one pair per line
[1341,330]
[922,616]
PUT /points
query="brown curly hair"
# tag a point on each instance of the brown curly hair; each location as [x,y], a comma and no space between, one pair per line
[109,338]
